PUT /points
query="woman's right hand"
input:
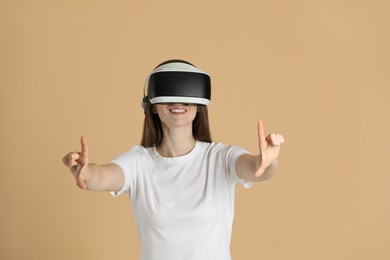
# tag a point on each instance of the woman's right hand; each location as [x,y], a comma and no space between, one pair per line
[77,162]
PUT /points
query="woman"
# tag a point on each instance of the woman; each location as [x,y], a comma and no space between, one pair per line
[180,183]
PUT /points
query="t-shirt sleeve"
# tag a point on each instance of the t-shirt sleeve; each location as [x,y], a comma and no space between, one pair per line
[233,153]
[129,163]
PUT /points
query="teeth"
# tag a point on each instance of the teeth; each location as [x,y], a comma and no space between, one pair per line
[177,110]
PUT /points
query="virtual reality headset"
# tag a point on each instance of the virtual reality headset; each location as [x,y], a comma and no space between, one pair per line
[178,82]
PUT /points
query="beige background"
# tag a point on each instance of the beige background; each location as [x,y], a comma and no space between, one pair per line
[315,71]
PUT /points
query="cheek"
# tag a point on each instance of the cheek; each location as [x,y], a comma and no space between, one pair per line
[160,110]
[193,111]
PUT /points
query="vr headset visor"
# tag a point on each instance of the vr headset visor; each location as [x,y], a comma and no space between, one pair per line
[179,82]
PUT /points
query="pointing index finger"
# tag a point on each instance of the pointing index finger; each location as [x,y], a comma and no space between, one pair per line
[84,148]
[262,141]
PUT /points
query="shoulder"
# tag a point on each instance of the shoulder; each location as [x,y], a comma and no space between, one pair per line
[221,148]
[140,150]
[137,153]
[212,145]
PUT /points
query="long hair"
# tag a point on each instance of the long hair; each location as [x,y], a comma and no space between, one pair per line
[152,134]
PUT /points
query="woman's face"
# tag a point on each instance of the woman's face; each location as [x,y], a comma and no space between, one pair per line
[175,114]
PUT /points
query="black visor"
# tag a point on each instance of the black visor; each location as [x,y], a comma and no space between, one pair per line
[179,87]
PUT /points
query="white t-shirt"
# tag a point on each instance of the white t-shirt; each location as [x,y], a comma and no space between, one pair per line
[183,206]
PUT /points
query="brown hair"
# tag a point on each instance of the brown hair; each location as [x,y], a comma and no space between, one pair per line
[152,134]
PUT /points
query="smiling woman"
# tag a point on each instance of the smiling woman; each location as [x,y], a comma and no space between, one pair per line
[181,184]
[190,90]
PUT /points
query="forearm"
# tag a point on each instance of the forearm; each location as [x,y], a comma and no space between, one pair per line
[247,166]
[95,178]
[104,177]
[269,171]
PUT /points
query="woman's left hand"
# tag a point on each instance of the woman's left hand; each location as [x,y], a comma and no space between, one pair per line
[269,147]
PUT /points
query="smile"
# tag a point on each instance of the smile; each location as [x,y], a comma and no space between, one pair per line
[177,110]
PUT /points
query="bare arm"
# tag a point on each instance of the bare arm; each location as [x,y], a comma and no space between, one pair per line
[108,177]
[264,165]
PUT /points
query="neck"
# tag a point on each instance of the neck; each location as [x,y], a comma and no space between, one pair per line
[176,142]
